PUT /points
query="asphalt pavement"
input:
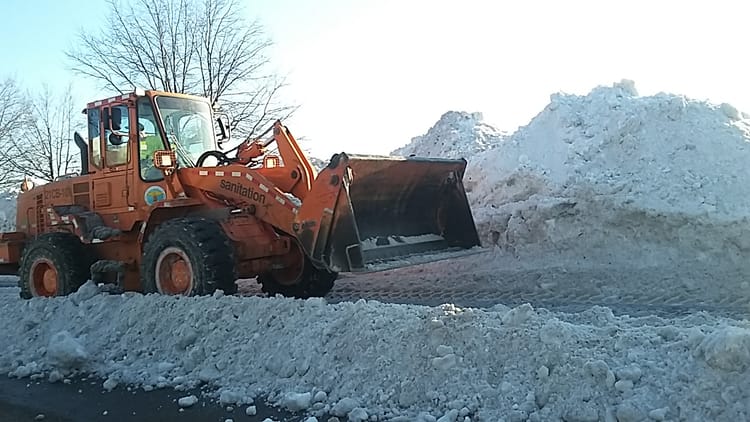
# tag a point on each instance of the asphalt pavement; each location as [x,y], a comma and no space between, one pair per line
[84,400]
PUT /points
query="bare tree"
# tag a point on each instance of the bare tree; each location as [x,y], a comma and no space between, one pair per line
[43,147]
[14,111]
[202,47]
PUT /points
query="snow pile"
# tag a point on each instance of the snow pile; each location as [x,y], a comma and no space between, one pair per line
[613,174]
[663,153]
[372,361]
[455,135]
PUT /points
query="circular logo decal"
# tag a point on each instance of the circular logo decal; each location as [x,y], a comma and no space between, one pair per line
[154,194]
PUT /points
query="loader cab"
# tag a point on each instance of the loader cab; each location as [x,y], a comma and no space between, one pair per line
[124,135]
[130,128]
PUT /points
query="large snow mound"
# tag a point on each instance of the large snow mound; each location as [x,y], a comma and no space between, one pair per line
[610,173]
[664,153]
[379,361]
[456,134]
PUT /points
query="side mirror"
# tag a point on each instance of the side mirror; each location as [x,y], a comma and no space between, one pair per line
[165,160]
[112,117]
[115,139]
[224,131]
[116,118]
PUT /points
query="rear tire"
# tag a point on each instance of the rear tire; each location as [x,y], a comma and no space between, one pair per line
[313,282]
[53,264]
[188,256]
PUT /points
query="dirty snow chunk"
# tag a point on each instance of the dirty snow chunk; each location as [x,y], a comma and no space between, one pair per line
[109,384]
[320,396]
[519,315]
[542,373]
[296,401]
[631,373]
[311,419]
[445,362]
[357,414]
[230,396]
[165,366]
[87,290]
[251,411]
[628,412]
[426,417]
[599,372]
[65,351]
[344,406]
[554,332]
[187,401]
[449,416]
[623,385]
[658,414]
[726,348]
[55,376]
[444,350]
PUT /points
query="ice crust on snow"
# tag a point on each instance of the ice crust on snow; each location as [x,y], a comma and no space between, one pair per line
[610,175]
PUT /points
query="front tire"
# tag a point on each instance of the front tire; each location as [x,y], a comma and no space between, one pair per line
[301,281]
[53,264]
[188,256]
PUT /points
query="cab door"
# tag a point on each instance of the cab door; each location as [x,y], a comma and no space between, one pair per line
[112,187]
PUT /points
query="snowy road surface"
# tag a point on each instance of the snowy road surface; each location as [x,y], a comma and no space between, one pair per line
[83,400]
[556,283]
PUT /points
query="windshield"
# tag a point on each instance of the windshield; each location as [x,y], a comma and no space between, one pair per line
[188,126]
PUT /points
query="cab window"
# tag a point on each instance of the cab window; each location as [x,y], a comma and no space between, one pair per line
[149,140]
[94,119]
[117,136]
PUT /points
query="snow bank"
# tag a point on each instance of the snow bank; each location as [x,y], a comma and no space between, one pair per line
[372,360]
[613,174]
[663,153]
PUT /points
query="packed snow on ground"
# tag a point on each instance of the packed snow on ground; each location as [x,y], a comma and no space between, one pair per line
[372,360]
[610,175]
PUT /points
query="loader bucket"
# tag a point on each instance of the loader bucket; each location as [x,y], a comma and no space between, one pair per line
[398,209]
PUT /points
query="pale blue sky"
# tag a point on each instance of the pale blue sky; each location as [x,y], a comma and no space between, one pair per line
[369,75]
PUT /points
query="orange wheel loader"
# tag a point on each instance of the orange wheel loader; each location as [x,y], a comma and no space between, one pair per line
[159,208]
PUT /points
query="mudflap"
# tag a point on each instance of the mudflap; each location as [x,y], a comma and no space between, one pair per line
[398,211]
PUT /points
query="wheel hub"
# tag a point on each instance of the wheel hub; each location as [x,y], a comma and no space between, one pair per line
[174,273]
[44,278]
